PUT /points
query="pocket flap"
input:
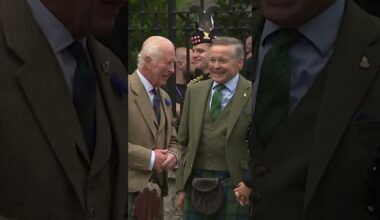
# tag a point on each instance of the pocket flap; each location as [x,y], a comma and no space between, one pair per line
[205,184]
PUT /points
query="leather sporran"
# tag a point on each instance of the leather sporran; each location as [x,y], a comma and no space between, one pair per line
[147,203]
[207,195]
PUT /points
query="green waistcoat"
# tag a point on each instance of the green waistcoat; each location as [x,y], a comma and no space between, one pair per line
[211,149]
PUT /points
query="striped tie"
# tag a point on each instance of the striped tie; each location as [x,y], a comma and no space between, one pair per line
[156,105]
[216,102]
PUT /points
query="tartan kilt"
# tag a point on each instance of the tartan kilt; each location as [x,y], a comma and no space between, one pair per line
[131,198]
[231,209]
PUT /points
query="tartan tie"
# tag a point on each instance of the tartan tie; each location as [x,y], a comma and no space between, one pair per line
[273,93]
[85,81]
[156,105]
[216,102]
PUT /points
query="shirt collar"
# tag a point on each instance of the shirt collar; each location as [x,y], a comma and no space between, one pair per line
[230,85]
[327,22]
[147,85]
[56,33]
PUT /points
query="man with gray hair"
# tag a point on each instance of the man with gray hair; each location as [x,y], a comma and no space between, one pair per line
[213,123]
[152,145]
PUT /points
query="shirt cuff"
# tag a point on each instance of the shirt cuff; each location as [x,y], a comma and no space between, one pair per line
[176,157]
[151,163]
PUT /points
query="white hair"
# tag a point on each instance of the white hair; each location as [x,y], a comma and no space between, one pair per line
[148,50]
[153,47]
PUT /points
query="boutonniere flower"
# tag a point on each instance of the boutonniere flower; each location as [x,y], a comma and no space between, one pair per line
[168,102]
[119,84]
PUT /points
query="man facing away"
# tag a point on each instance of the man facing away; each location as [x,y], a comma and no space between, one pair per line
[63,151]
[316,122]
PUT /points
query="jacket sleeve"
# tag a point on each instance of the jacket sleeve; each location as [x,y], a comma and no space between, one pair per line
[138,157]
[183,138]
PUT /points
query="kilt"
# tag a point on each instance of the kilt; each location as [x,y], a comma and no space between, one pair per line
[231,209]
[131,199]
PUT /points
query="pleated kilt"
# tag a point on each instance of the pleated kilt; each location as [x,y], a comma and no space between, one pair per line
[231,209]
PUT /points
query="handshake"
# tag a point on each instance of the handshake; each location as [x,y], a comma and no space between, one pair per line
[164,160]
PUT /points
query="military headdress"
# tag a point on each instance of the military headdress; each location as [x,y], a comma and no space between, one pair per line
[199,37]
[205,32]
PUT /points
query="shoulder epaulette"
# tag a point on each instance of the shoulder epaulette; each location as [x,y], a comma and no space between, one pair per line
[198,79]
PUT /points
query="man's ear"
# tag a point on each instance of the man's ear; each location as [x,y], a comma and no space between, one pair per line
[180,65]
[148,62]
[241,63]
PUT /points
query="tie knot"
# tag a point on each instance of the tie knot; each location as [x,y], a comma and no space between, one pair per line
[287,37]
[154,91]
[219,87]
[78,51]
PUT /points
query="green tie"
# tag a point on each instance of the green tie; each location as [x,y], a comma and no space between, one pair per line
[273,93]
[216,102]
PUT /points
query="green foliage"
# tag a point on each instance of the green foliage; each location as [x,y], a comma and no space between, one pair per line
[150,17]
[235,17]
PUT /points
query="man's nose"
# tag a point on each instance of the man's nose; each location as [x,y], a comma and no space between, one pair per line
[216,64]
[171,68]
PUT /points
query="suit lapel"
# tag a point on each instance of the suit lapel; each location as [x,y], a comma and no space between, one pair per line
[166,120]
[240,99]
[103,68]
[341,100]
[52,102]
[142,100]
[115,105]
[115,109]
[164,114]
[258,25]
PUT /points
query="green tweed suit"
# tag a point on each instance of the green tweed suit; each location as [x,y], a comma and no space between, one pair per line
[196,102]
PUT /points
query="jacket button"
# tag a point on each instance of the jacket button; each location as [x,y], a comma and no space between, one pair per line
[92,212]
[255,198]
[261,171]
[370,209]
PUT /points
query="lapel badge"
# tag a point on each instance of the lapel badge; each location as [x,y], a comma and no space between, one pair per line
[168,102]
[364,63]
[106,66]
[245,94]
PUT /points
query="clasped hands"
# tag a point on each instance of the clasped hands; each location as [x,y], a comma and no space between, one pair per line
[164,160]
[242,194]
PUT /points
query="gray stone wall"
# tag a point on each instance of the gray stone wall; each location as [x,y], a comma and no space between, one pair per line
[171,212]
